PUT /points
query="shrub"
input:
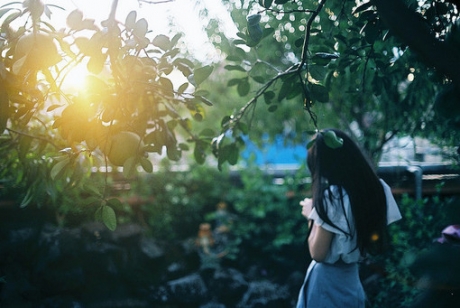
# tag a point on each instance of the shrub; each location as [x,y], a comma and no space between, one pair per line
[423,220]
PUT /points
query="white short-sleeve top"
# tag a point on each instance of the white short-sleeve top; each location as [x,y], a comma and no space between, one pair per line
[343,246]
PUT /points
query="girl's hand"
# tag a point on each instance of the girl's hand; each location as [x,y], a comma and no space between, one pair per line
[306,205]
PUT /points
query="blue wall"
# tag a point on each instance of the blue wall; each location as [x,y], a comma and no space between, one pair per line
[276,153]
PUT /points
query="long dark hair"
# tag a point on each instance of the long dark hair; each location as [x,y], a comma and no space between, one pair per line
[350,170]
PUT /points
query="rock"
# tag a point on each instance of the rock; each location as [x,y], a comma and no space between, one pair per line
[227,285]
[127,234]
[122,303]
[62,277]
[56,243]
[92,267]
[151,249]
[22,245]
[60,301]
[265,294]
[213,304]
[17,288]
[188,289]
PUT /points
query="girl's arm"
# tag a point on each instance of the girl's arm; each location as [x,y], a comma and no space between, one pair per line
[319,242]
[320,239]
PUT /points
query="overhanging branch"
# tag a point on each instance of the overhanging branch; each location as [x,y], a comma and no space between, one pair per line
[413,30]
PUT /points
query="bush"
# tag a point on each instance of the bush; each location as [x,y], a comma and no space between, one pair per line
[174,203]
[267,230]
[423,220]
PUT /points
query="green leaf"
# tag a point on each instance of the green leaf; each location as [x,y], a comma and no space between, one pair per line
[114,202]
[331,139]
[233,82]
[129,167]
[234,68]
[4,11]
[207,132]
[243,87]
[175,39]
[259,79]
[267,31]
[200,74]
[205,100]
[27,199]
[299,42]
[141,28]
[74,20]
[325,55]
[130,21]
[269,96]
[239,42]
[173,153]
[166,85]
[319,93]
[243,127]
[146,165]
[232,154]
[371,31]
[199,153]
[109,218]
[233,58]
[363,7]
[267,3]
[98,214]
[96,63]
[201,92]
[91,189]
[50,108]
[254,30]
[162,41]
[225,121]
[285,89]
[183,146]
[295,91]
[91,200]
[324,58]
[58,168]
[4,110]
[182,88]
[10,18]
[318,72]
[84,45]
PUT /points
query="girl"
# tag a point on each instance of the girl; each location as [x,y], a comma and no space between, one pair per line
[348,214]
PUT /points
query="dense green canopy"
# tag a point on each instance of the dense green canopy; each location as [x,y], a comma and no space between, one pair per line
[376,68]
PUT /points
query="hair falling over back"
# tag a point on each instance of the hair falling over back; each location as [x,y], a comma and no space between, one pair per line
[350,170]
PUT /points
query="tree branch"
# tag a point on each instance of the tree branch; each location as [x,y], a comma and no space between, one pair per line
[412,29]
[34,137]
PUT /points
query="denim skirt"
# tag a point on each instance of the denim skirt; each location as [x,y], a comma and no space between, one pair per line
[332,285]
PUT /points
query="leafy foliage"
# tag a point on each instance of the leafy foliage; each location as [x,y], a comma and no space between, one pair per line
[265,214]
[345,64]
[52,135]
[299,58]
[173,203]
[268,219]
[423,221]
